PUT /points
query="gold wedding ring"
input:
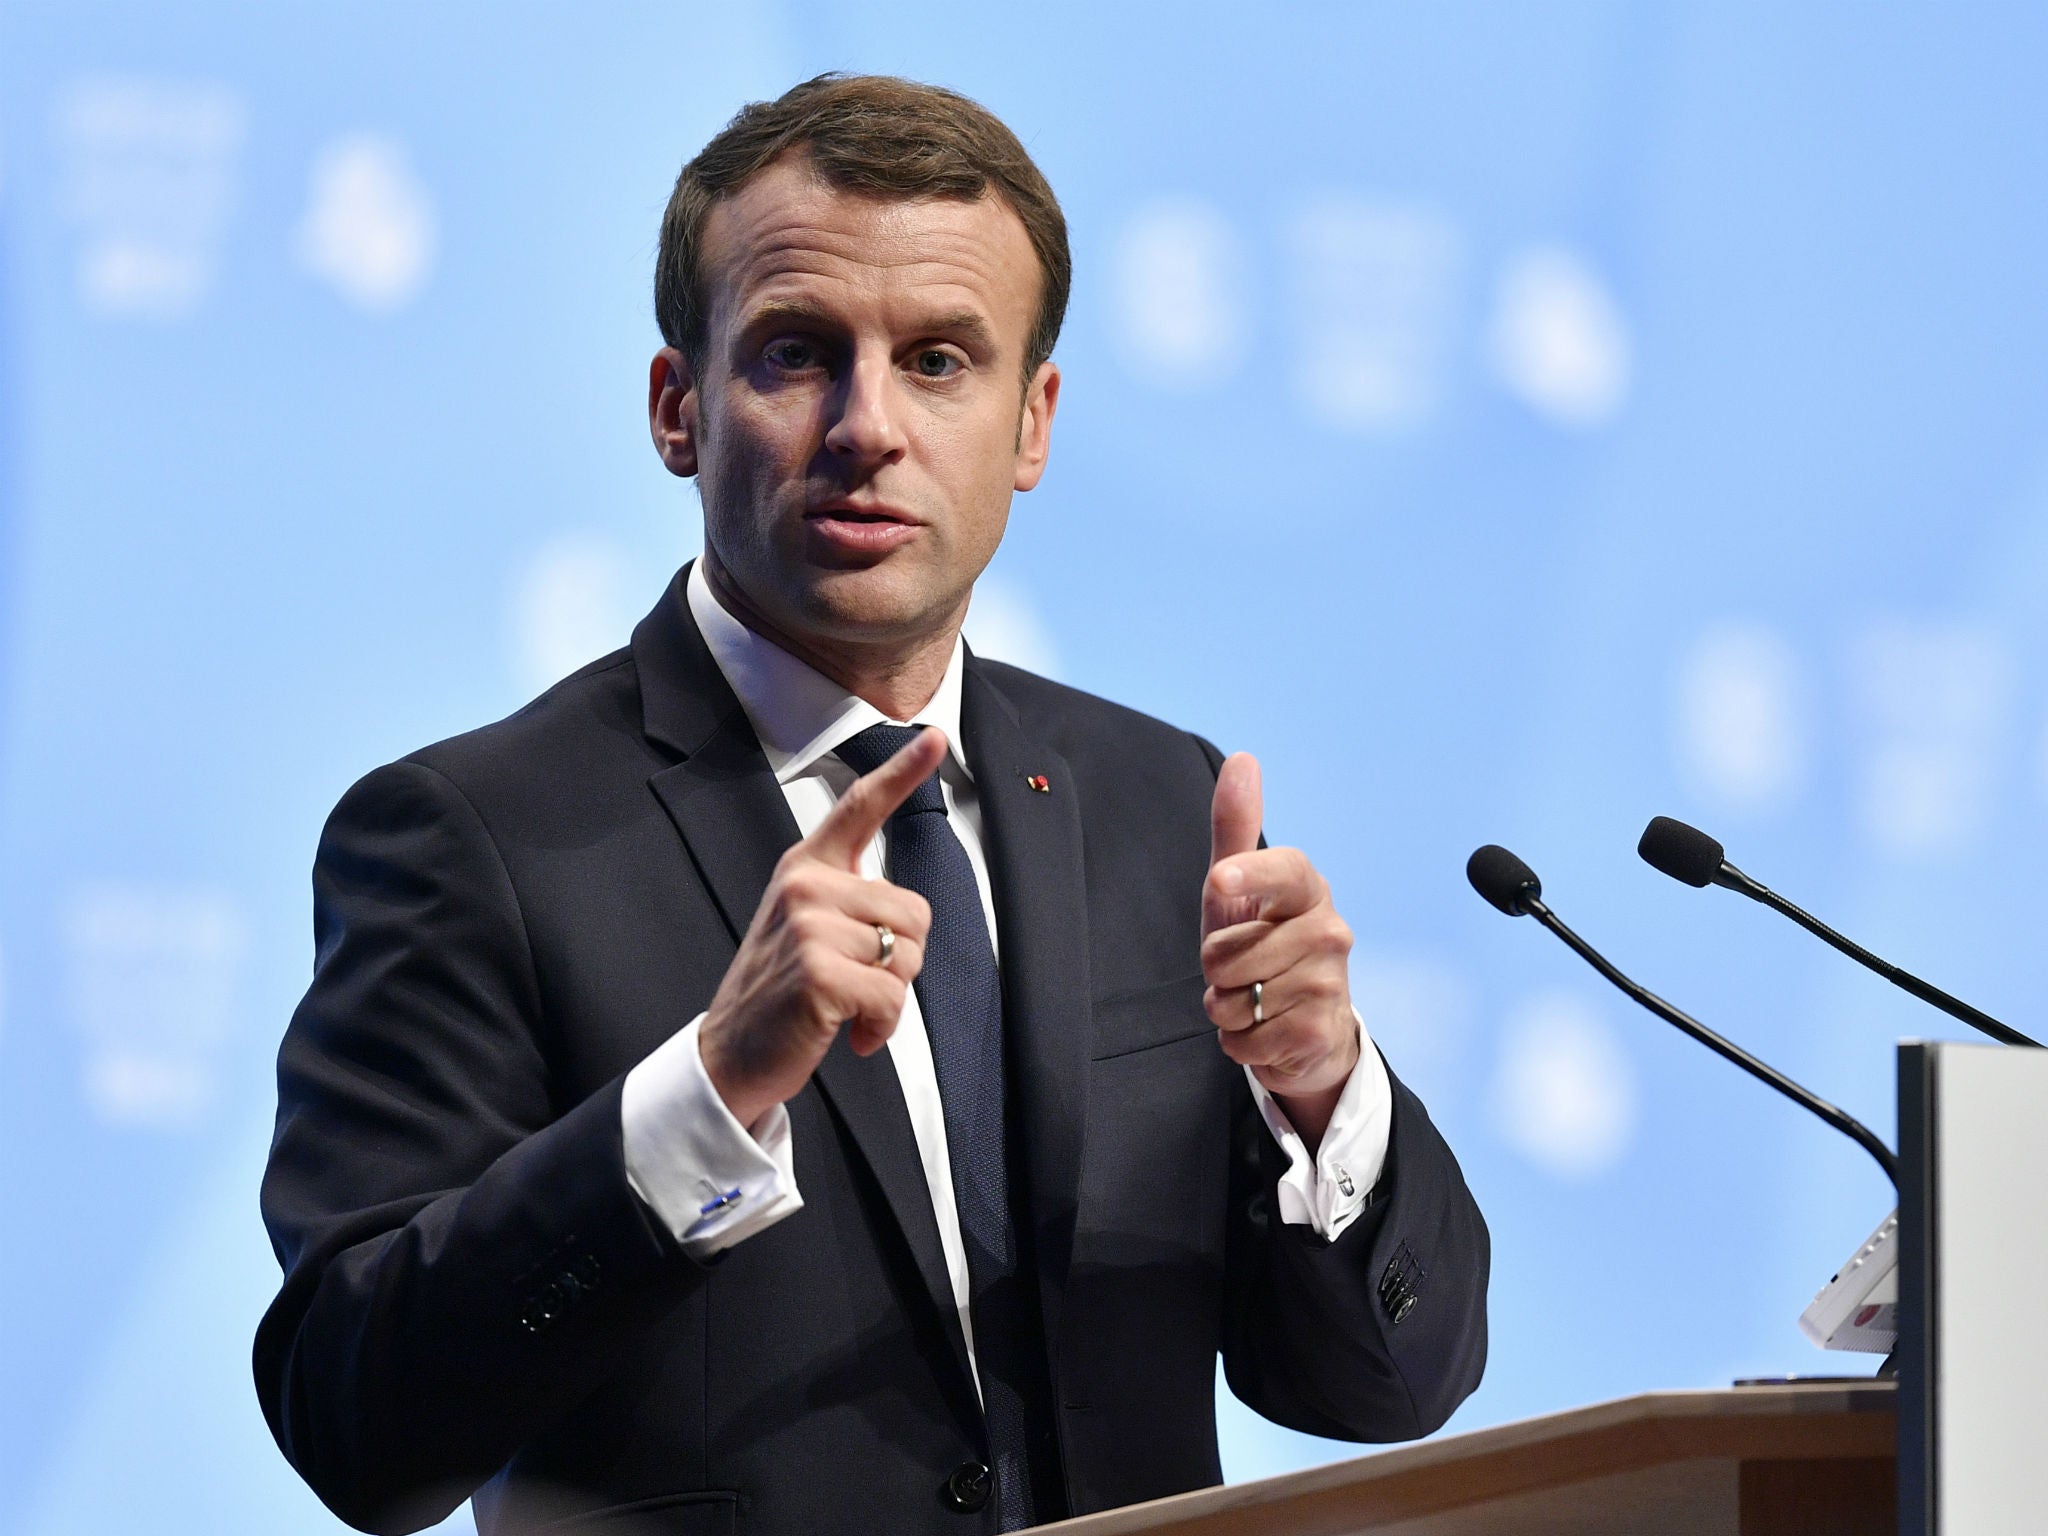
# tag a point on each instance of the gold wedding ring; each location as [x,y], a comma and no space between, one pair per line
[885,944]
[1258,1003]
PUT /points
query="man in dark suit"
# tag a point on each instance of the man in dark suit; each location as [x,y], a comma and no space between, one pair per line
[796,1076]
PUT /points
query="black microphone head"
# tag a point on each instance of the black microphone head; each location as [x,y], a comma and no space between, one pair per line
[1503,879]
[1682,852]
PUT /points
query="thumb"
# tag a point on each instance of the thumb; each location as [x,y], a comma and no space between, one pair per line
[1238,809]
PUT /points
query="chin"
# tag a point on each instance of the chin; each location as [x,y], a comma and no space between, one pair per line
[876,604]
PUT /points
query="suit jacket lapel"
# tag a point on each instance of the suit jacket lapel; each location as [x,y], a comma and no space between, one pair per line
[1033,839]
[732,816]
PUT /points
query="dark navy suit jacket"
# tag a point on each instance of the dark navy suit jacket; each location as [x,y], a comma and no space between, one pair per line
[475,1301]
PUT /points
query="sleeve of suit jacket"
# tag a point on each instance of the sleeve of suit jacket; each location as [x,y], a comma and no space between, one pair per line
[1379,1334]
[464,1259]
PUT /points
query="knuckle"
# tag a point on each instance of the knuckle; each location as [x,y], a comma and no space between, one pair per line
[1282,1055]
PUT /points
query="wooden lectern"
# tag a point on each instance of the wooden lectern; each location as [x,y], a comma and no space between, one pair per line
[1782,1459]
[1954,1448]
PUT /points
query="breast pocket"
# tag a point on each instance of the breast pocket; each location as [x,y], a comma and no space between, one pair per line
[1141,1018]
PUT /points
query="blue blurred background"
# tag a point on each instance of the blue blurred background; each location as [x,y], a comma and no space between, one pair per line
[1509,421]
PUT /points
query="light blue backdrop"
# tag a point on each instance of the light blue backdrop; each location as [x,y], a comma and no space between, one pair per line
[1510,421]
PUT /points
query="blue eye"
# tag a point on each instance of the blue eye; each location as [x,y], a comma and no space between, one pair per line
[934,364]
[795,355]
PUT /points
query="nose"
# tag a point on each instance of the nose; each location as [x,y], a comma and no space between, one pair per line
[869,426]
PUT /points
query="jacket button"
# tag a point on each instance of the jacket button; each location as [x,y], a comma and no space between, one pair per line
[969,1487]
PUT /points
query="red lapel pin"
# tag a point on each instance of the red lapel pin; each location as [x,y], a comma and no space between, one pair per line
[1039,782]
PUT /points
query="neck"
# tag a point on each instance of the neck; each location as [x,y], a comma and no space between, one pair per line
[897,678]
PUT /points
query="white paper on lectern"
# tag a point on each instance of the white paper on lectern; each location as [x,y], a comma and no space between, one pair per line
[1858,1309]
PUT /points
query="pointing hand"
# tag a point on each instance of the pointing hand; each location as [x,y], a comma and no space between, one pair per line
[807,966]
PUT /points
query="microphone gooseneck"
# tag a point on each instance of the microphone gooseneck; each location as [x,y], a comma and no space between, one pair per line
[1688,854]
[1515,890]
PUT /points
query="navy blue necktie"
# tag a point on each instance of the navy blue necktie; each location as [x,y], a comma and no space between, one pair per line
[961,996]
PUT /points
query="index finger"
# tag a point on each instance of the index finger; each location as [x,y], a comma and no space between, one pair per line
[852,824]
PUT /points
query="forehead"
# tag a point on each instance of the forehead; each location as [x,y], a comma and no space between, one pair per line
[788,234]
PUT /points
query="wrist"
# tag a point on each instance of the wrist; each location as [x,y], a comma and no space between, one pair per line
[1310,1112]
[744,1103]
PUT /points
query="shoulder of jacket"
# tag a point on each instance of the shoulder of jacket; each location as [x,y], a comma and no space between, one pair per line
[595,709]
[1064,714]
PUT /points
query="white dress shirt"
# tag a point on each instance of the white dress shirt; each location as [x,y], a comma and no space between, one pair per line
[714,1183]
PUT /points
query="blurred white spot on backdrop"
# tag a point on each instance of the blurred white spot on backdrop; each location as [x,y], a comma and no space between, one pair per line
[369,227]
[1180,280]
[1004,624]
[1558,340]
[1564,1094]
[576,598]
[151,972]
[147,176]
[1740,717]
[1374,303]
[1935,702]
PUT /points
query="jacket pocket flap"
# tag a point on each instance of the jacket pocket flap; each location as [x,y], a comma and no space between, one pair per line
[1155,1014]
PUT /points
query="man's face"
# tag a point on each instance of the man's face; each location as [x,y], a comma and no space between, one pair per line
[861,419]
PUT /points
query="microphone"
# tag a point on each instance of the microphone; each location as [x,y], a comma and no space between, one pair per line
[1513,887]
[1688,854]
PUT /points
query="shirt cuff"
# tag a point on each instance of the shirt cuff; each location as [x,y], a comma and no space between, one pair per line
[1328,1191]
[711,1181]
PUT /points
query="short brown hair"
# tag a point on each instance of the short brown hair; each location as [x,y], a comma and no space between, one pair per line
[870,134]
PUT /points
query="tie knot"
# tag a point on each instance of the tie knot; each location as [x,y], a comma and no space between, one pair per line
[874,746]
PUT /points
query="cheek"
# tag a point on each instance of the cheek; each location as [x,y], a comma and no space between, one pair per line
[977,463]
[750,453]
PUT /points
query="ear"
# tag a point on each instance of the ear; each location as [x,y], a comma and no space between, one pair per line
[1034,427]
[672,411]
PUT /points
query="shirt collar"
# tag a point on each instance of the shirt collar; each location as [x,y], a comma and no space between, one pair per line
[799,714]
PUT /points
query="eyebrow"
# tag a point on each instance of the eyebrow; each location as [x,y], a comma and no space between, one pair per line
[964,323]
[787,311]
